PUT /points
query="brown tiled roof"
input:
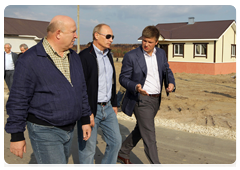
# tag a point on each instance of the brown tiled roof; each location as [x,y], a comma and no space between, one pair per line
[198,30]
[14,26]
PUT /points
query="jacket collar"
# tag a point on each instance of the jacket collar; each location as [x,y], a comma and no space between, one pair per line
[92,51]
[41,51]
[141,60]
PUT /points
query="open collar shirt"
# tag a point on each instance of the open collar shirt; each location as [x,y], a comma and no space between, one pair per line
[9,65]
[104,76]
[61,63]
[152,82]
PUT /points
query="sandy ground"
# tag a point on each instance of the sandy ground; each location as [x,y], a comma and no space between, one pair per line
[206,101]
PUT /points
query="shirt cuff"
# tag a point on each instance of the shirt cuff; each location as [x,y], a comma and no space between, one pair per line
[85,120]
[15,137]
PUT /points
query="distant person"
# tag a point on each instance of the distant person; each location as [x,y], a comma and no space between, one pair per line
[23,48]
[10,59]
[143,73]
[100,78]
[46,98]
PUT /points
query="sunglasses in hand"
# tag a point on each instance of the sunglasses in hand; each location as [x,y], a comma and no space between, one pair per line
[107,35]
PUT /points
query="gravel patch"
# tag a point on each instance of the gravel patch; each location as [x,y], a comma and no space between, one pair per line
[219,132]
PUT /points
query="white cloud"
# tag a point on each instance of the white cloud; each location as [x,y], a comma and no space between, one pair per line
[25,15]
[89,23]
[156,13]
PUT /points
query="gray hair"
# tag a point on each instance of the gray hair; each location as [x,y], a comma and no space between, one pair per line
[24,46]
[8,44]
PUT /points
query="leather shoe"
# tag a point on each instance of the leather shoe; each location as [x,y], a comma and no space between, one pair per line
[123,160]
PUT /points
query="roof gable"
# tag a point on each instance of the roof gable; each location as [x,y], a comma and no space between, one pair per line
[198,30]
[14,26]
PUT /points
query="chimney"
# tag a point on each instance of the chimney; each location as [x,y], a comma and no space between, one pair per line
[190,20]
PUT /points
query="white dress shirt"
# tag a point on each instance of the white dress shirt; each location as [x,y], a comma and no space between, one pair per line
[9,65]
[104,76]
[152,82]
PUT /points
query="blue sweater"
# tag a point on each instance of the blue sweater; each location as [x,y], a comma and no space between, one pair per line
[40,89]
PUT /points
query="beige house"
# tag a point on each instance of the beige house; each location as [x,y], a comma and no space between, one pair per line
[200,47]
[19,31]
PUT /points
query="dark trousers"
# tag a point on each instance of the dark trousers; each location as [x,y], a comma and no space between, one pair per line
[8,77]
[145,110]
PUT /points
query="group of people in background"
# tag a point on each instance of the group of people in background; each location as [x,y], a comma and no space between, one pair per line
[10,59]
[55,89]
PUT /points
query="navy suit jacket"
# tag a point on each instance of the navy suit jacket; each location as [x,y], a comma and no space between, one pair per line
[134,71]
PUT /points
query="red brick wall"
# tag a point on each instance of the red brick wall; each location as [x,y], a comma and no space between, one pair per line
[203,68]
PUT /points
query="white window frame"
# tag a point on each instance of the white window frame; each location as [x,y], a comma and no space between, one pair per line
[233,50]
[178,46]
[201,50]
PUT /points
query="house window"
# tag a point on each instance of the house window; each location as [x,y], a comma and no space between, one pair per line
[178,50]
[200,50]
[233,50]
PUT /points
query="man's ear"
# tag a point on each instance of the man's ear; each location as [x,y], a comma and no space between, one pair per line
[96,35]
[58,32]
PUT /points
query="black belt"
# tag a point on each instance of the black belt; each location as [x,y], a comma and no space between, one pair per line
[102,103]
[154,95]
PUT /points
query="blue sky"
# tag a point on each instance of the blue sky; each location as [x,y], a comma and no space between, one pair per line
[126,21]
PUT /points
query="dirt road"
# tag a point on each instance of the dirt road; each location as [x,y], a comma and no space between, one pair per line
[174,147]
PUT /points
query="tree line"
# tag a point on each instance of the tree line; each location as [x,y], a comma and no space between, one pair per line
[118,50]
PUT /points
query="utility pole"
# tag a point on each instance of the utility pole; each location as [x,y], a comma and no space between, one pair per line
[78,31]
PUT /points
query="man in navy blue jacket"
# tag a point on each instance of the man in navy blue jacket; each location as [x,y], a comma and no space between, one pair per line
[49,94]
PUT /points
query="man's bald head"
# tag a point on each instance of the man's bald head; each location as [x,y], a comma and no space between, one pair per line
[58,23]
[61,33]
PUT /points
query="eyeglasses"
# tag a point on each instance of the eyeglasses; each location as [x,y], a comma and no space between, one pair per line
[107,35]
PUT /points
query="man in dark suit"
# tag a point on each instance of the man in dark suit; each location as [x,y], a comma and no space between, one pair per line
[10,59]
[143,73]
